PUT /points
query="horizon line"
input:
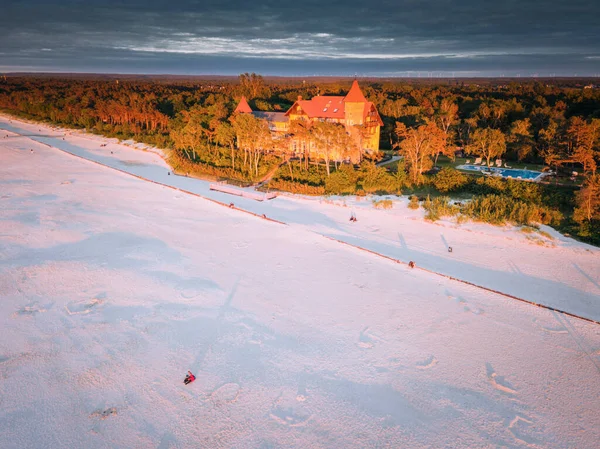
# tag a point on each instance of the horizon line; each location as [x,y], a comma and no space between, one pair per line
[428,75]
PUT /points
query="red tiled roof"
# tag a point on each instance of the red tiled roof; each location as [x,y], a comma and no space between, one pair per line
[323,107]
[333,106]
[355,95]
[368,106]
[243,106]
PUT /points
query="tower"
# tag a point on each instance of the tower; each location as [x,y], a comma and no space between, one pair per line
[354,106]
[243,107]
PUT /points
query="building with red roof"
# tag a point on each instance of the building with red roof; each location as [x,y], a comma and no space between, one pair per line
[354,111]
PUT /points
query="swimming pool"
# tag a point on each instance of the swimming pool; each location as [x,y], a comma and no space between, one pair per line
[530,175]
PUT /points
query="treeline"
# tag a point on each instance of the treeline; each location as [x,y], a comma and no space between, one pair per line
[531,122]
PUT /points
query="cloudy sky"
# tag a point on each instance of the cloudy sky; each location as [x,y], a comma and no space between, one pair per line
[308,37]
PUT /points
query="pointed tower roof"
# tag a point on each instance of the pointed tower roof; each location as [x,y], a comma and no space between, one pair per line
[243,107]
[355,95]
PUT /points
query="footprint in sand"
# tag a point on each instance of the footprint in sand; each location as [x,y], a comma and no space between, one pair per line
[289,416]
[360,286]
[240,245]
[28,311]
[226,393]
[190,293]
[395,362]
[83,307]
[290,412]
[302,394]
[499,382]
[429,362]
[465,305]
[553,329]
[367,339]
[103,414]
[193,288]
[518,426]
[475,311]
[256,339]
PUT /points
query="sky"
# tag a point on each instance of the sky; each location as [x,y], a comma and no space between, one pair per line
[431,38]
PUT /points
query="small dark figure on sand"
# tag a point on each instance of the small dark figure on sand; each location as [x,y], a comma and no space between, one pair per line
[189,378]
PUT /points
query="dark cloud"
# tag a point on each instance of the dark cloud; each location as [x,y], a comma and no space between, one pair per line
[388,37]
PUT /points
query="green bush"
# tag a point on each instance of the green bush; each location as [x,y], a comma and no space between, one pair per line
[525,191]
[383,204]
[500,209]
[439,207]
[414,202]
[401,174]
[590,230]
[520,190]
[183,165]
[296,187]
[342,180]
[313,175]
[375,179]
[489,184]
[488,208]
[449,179]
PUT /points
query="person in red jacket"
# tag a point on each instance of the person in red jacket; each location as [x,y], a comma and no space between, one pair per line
[189,378]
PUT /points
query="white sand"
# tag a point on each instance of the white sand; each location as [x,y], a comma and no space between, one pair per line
[557,271]
[113,287]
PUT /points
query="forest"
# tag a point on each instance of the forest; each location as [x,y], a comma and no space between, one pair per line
[550,125]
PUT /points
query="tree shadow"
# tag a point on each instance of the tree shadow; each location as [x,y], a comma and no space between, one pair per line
[403,244]
[377,400]
[167,441]
[117,250]
[444,241]
[114,248]
[587,276]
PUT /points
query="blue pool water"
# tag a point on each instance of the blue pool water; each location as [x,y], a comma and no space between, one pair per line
[505,172]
